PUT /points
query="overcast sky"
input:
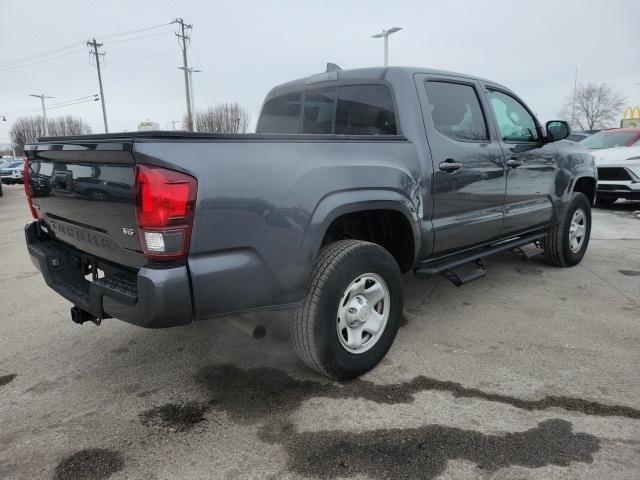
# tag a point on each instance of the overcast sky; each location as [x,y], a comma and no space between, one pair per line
[246,47]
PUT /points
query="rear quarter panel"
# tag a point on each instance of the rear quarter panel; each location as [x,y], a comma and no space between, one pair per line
[262,207]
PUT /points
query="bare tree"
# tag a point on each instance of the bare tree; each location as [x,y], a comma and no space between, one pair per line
[5,149]
[68,125]
[29,129]
[596,105]
[222,118]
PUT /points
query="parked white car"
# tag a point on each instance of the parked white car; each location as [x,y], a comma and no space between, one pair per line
[618,173]
[7,169]
[17,174]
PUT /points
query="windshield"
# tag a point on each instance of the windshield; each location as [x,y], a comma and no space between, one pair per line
[608,139]
[10,165]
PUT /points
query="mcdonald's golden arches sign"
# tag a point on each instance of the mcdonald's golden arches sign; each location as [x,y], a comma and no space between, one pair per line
[631,117]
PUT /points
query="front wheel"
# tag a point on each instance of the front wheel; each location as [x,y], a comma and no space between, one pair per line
[351,313]
[566,242]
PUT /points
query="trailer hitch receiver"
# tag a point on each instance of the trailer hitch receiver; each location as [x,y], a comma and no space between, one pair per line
[80,316]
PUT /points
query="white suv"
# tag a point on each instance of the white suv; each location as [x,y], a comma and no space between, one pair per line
[618,173]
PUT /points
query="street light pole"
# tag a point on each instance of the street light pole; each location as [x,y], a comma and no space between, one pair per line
[190,71]
[385,34]
[44,112]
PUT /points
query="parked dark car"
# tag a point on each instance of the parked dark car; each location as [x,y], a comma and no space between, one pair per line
[354,178]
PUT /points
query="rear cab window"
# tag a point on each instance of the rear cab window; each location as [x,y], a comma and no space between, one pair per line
[456,111]
[319,111]
[365,109]
[281,114]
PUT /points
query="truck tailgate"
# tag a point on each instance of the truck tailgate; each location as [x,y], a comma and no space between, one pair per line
[84,194]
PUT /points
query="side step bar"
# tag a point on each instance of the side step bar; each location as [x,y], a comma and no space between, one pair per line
[459,279]
[445,266]
[529,253]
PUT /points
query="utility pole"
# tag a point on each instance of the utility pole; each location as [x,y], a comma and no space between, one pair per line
[97,54]
[173,124]
[573,104]
[184,37]
[385,34]
[44,112]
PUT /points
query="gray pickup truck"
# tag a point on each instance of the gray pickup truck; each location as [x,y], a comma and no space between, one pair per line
[352,179]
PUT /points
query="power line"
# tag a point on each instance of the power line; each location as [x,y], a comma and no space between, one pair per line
[95,99]
[39,61]
[25,112]
[29,59]
[93,96]
[129,32]
[142,57]
[27,85]
[140,37]
[38,55]
[207,82]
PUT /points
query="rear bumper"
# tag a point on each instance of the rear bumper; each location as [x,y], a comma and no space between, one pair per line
[152,297]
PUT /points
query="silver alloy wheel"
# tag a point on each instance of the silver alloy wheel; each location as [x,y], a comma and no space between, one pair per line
[363,313]
[577,230]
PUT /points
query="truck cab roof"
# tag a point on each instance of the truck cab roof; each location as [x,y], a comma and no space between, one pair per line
[367,74]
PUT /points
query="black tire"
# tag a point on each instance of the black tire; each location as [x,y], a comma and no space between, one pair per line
[557,249]
[313,326]
[605,201]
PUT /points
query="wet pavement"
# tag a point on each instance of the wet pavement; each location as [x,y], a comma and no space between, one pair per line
[530,372]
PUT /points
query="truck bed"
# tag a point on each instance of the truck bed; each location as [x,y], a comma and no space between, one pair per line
[200,136]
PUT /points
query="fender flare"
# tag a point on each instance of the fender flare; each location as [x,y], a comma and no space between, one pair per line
[580,176]
[340,203]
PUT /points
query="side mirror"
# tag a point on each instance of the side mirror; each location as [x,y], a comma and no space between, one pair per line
[557,130]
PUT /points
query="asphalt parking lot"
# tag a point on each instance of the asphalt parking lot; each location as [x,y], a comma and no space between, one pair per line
[528,373]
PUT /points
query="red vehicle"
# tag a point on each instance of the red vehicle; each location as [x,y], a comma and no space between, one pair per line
[611,138]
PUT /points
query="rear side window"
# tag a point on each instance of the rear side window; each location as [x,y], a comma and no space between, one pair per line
[456,112]
[365,110]
[349,110]
[319,110]
[281,114]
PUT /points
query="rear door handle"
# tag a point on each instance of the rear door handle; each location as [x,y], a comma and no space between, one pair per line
[450,165]
[514,162]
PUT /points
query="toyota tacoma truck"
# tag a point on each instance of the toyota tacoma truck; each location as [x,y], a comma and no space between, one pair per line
[353,178]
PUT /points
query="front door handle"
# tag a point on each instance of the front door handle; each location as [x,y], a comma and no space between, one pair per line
[450,165]
[514,162]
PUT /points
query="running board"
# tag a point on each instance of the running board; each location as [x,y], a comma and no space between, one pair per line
[448,264]
[460,278]
[525,254]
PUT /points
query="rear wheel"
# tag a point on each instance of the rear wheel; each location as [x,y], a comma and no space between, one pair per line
[566,242]
[351,313]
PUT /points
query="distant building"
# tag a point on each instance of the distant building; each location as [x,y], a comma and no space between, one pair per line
[148,125]
[6,152]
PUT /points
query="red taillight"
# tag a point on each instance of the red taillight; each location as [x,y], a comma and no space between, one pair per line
[27,187]
[165,203]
